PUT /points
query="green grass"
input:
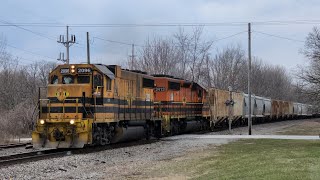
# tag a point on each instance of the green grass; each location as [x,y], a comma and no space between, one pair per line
[251,159]
[265,159]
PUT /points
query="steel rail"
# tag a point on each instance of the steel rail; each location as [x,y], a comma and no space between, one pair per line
[7,146]
[31,156]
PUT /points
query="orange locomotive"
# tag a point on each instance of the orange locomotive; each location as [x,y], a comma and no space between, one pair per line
[180,104]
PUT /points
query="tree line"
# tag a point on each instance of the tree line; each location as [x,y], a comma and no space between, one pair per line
[189,56]
[19,86]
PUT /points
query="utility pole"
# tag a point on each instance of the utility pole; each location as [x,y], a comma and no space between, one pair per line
[249,77]
[132,56]
[230,103]
[88,49]
[67,44]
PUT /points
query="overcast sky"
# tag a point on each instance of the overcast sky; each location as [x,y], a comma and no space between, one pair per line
[270,49]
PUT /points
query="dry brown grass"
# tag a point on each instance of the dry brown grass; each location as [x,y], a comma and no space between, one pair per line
[311,128]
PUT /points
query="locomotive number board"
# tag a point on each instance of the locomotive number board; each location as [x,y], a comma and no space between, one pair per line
[64,70]
[84,70]
[160,89]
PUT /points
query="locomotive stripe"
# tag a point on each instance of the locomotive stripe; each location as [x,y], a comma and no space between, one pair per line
[124,101]
[178,103]
[97,110]
[114,109]
[105,101]
[178,109]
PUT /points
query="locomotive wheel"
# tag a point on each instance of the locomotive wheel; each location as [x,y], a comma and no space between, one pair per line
[148,133]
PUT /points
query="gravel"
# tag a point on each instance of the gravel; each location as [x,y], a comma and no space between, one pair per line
[125,162]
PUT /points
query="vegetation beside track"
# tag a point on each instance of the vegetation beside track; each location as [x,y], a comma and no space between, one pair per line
[249,159]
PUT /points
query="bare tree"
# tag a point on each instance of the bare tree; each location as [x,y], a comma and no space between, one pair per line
[199,50]
[228,68]
[184,55]
[157,57]
[182,44]
[310,73]
[19,85]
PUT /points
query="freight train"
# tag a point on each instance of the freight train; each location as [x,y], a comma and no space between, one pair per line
[96,104]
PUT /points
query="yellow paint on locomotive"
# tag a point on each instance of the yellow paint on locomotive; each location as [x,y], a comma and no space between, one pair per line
[75,135]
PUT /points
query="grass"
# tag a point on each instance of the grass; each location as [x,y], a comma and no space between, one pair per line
[250,159]
[305,128]
[264,159]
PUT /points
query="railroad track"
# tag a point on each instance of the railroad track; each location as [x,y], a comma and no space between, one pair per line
[54,153]
[7,146]
[31,156]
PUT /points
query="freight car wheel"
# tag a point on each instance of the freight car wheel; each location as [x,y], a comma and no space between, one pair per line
[157,130]
[174,130]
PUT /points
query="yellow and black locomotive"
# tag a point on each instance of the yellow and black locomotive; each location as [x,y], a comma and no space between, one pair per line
[95,104]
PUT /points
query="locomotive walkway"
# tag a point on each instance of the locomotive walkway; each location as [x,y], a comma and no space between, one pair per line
[289,137]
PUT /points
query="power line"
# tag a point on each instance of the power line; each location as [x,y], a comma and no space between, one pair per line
[15,62]
[227,37]
[117,42]
[280,37]
[240,23]
[34,61]
[30,52]
[28,30]
[130,44]
[6,23]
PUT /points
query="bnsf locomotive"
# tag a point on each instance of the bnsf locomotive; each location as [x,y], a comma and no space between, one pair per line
[95,104]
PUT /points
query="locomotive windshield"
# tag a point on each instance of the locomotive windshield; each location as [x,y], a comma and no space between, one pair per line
[54,79]
[83,79]
[68,79]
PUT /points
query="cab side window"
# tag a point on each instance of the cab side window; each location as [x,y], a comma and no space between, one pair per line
[97,80]
[108,84]
[199,93]
[83,79]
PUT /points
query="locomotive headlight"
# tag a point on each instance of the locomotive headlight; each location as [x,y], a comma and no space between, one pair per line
[42,121]
[73,68]
[72,121]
